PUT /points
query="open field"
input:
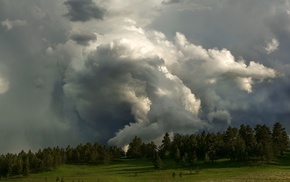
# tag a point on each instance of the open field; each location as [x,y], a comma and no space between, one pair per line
[142,170]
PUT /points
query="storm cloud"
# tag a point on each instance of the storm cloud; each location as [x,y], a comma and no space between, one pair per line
[82,37]
[170,1]
[83,10]
[9,24]
[157,66]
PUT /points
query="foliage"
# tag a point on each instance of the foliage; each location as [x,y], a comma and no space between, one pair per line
[134,150]
[245,144]
[50,159]
[157,161]
[125,170]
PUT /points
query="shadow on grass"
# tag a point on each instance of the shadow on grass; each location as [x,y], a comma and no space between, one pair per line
[283,160]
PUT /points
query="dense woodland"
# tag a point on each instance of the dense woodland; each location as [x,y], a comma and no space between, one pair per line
[259,144]
[50,158]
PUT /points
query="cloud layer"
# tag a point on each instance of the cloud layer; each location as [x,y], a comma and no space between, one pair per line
[144,68]
[83,11]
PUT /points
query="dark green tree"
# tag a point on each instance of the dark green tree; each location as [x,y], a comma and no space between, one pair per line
[148,150]
[201,149]
[280,139]
[264,142]
[177,157]
[234,144]
[165,148]
[191,147]
[134,150]
[220,146]
[26,166]
[248,135]
[211,141]
[157,161]
[69,154]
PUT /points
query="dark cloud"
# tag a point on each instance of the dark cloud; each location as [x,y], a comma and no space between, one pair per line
[83,10]
[119,94]
[82,37]
[28,76]
[141,78]
[170,1]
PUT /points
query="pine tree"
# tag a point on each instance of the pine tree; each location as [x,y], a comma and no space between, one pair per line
[248,135]
[26,166]
[211,146]
[157,162]
[177,156]
[19,165]
[264,140]
[201,145]
[149,149]
[134,150]
[232,142]
[280,139]
[165,146]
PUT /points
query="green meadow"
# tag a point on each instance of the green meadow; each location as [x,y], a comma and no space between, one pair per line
[142,170]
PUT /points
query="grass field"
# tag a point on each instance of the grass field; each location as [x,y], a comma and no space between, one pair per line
[142,170]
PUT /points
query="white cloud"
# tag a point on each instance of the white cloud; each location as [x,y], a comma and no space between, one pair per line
[4,85]
[245,83]
[212,64]
[9,24]
[272,46]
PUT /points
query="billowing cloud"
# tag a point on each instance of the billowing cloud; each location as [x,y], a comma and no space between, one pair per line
[150,88]
[179,68]
[123,80]
[83,10]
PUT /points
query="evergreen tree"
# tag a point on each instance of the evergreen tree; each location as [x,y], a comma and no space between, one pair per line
[177,156]
[157,161]
[191,149]
[230,137]
[248,135]
[178,143]
[26,166]
[134,150]
[211,146]
[220,146]
[165,148]
[19,165]
[69,154]
[201,145]
[149,150]
[280,139]
[8,165]
[116,152]
[76,156]
[264,140]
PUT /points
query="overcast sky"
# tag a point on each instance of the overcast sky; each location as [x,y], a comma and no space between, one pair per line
[74,71]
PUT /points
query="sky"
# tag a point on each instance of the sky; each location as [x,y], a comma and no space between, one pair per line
[77,71]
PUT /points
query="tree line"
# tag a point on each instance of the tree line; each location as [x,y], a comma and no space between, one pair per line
[48,159]
[259,144]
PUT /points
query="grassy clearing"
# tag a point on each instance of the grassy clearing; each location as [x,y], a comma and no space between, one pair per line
[142,170]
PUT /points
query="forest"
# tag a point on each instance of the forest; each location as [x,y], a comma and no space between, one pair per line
[260,144]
